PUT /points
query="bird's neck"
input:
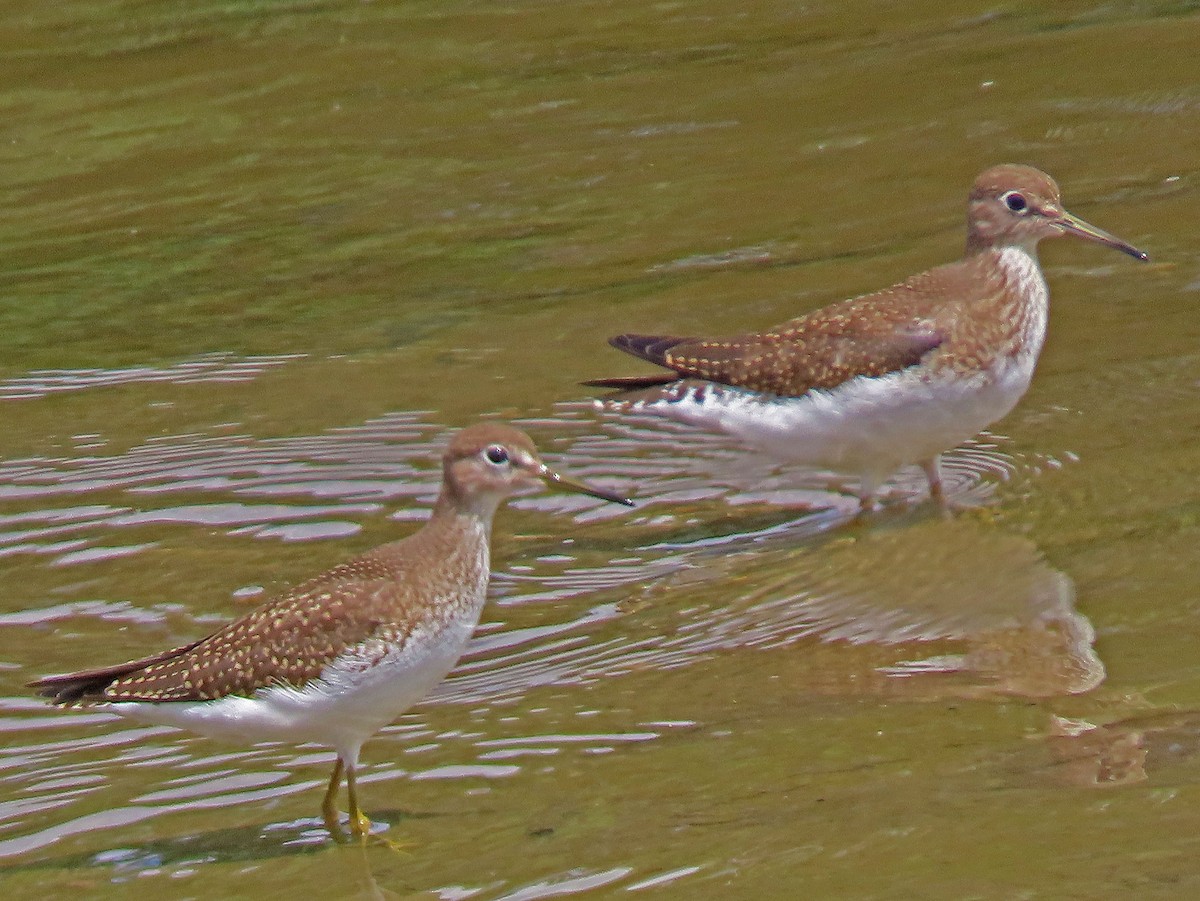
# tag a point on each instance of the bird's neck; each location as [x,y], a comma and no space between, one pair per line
[1021,273]
[1012,306]
[978,243]
[459,539]
[455,505]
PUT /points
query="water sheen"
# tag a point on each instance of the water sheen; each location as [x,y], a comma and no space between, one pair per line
[260,262]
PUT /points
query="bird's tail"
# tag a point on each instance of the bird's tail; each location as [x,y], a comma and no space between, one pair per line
[89,685]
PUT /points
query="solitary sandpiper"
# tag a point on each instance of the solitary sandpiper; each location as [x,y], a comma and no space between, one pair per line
[886,379]
[339,657]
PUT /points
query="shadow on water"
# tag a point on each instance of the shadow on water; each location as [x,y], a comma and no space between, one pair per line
[722,554]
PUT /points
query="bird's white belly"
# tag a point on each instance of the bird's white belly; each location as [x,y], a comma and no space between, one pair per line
[354,697]
[868,425]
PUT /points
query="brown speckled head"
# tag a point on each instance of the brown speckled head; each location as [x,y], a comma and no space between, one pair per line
[484,464]
[1017,206]
[488,462]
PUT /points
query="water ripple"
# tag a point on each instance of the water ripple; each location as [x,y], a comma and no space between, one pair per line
[214,367]
[725,551]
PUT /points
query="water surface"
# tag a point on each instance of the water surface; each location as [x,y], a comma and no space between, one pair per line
[260,261]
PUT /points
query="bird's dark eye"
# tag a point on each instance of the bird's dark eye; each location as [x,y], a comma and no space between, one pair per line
[1015,201]
[496,454]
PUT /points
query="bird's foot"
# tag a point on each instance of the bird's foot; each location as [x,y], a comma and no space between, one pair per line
[391,844]
[360,824]
[333,824]
[361,830]
[361,833]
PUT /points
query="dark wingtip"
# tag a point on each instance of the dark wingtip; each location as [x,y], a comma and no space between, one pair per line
[90,685]
[633,382]
[63,689]
[652,348]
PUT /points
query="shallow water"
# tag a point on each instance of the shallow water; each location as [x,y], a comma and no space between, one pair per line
[260,261]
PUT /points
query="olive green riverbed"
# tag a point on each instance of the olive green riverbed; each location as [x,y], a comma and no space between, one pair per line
[257,260]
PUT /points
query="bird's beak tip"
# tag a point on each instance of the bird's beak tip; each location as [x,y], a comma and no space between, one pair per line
[554,478]
[1074,226]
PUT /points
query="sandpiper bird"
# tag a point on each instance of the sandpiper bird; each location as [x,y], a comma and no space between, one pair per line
[886,379]
[339,657]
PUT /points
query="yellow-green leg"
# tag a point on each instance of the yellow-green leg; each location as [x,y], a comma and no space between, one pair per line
[360,826]
[329,805]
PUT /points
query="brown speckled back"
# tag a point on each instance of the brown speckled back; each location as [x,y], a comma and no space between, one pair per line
[291,639]
[958,310]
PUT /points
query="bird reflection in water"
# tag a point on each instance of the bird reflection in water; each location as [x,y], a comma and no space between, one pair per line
[943,608]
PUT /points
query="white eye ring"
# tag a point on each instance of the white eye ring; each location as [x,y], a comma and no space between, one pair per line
[496,454]
[1015,201]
